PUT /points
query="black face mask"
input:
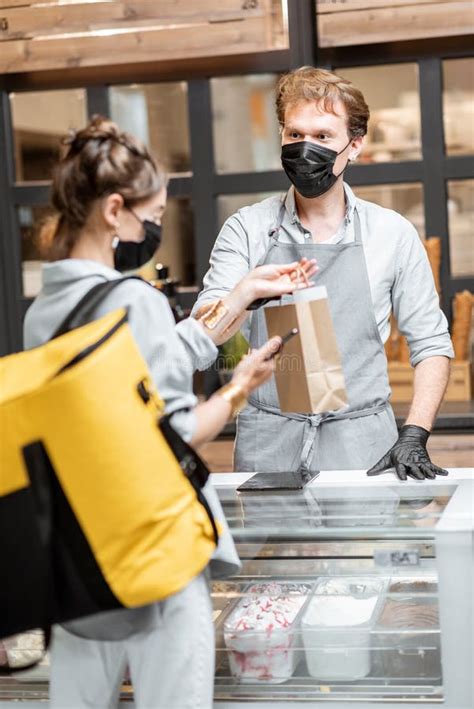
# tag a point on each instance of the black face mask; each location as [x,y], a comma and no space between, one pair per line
[310,167]
[130,255]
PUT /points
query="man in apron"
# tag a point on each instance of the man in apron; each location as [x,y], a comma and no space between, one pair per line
[372,263]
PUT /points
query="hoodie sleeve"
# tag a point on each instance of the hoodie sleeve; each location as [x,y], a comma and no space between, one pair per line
[200,348]
[161,344]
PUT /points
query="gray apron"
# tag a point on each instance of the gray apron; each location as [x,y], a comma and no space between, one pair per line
[355,437]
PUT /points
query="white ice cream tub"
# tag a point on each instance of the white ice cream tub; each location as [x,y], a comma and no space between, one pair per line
[336,626]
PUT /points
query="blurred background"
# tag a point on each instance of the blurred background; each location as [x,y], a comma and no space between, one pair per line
[196,82]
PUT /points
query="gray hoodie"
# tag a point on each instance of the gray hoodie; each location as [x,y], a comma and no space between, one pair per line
[172,353]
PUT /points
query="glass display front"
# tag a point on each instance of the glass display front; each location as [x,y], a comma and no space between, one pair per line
[351,612]
[353,511]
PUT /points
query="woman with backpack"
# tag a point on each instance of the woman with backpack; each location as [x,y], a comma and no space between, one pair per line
[110,195]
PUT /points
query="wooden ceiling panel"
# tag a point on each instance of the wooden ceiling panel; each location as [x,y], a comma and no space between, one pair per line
[345,23]
[54,35]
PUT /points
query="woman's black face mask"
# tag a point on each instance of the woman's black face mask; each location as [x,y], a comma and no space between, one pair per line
[310,167]
[130,255]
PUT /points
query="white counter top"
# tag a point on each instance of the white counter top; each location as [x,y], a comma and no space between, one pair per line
[357,477]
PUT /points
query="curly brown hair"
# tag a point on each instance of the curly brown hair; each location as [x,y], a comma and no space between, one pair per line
[98,160]
[311,84]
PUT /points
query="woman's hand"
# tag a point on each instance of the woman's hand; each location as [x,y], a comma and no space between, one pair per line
[273,280]
[268,281]
[251,372]
[255,368]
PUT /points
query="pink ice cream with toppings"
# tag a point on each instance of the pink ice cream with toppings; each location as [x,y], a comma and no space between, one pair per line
[260,632]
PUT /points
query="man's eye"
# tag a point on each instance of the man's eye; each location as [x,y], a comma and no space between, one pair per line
[294,134]
[322,136]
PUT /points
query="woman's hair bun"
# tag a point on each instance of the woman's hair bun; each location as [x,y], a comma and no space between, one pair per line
[102,129]
[98,160]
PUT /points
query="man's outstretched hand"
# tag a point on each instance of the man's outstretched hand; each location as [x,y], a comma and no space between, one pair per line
[409,456]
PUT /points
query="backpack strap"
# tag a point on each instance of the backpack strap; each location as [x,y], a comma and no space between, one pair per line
[84,309]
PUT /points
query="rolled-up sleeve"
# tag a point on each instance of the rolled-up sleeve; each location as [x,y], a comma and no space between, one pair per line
[229,262]
[416,302]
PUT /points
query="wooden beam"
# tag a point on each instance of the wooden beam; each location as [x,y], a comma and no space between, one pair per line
[13,3]
[433,19]
[49,19]
[179,7]
[329,6]
[183,69]
[126,46]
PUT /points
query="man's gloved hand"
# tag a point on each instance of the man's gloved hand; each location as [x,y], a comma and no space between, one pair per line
[409,456]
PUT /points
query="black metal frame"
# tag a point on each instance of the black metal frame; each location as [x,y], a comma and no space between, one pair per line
[205,185]
[10,258]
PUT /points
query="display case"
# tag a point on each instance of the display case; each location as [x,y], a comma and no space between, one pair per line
[354,590]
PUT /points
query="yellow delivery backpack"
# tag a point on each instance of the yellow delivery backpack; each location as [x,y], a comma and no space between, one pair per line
[100,500]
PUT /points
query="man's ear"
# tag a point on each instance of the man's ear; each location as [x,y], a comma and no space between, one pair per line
[355,148]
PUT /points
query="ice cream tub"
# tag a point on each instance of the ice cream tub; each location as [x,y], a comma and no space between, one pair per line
[337,624]
[261,632]
[406,643]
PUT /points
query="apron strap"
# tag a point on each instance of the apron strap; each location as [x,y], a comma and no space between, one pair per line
[357,227]
[312,423]
[317,419]
[274,232]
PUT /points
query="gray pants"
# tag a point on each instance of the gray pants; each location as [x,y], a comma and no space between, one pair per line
[171,665]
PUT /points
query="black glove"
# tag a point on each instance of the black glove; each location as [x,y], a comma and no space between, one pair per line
[409,456]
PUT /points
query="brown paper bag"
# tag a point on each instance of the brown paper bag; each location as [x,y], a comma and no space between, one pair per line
[309,376]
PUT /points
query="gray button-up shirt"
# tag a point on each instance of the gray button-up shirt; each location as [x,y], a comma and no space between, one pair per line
[399,272]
